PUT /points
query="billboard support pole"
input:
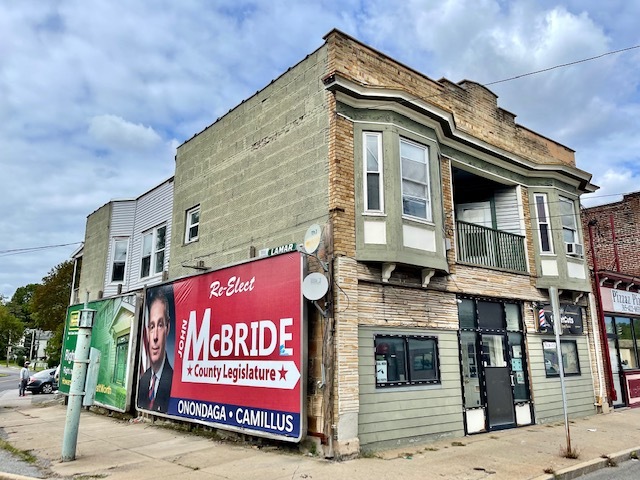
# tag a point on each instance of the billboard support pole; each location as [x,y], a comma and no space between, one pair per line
[76,389]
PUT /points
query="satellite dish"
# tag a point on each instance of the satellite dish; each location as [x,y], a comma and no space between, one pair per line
[312,238]
[315,286]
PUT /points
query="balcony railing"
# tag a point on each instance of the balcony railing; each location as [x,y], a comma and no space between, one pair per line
[492,248]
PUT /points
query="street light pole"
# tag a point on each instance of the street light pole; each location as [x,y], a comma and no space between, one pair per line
[78,377]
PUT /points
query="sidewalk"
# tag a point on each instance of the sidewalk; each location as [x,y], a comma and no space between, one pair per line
[117,449]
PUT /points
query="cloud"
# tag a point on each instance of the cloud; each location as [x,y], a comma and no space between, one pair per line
[118,134]
[97,96]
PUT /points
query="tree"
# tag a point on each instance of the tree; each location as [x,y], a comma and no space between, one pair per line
[20,304]
[11,330]
[51,298]
[49,306]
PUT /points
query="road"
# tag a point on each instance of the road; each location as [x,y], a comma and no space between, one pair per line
[629,470]
[9,378]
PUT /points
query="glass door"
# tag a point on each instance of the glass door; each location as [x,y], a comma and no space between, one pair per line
[498,382]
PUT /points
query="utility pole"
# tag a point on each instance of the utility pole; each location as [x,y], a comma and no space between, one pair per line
[557,327]
[78,377]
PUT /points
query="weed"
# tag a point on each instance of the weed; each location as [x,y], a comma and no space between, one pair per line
[368,454]
[572,453]
[610,461]
[89,477]
[494,437]
[458,444]
[23,454]
[549,471]
[430,449]
[634,455]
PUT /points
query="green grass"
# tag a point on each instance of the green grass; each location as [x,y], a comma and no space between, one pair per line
[22,454]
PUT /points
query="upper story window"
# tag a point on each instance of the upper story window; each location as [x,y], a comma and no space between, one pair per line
[544,231]
[120,246]
[373,192]
[568,216]
[153,247]
[192,225]
[415,180]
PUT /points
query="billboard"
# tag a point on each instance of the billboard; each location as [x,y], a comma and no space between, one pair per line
[114,333]
[226,348]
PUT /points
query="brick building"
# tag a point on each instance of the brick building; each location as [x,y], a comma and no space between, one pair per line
[445,225]
[613,230]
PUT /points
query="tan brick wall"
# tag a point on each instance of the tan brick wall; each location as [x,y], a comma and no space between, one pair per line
[96,248]
[341,183]
[474,107]
[347,303]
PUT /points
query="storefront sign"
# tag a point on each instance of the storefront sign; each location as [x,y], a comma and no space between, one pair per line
[234,349]
[113,333]
[570,319]
[620,301]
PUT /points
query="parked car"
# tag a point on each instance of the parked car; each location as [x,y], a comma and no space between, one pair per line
[43,382]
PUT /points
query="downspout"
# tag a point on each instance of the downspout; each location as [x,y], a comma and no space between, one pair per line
[603,328]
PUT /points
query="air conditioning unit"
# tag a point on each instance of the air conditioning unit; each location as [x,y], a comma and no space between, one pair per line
[575,249]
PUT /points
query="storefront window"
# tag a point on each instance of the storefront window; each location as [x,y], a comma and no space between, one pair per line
[626,343]
[406,360]
[570,360]
[512,311]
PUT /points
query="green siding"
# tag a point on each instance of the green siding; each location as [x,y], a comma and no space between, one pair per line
[401,415]
[547,393]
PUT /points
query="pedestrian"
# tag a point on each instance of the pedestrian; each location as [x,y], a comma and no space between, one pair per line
[24,378]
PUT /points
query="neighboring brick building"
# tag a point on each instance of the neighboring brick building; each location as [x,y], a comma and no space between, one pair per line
[445,223]
[613,230]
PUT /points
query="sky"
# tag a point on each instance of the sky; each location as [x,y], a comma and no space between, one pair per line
[95,96]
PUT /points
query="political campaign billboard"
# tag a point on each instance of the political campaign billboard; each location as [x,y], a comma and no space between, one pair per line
[225,348]
[114,334]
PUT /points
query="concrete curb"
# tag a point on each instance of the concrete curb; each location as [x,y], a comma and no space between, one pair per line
[576,471]
[11,476]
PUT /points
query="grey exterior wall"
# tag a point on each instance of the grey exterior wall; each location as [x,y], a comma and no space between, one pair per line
[259,174]
[547,394]
[390,416]
[94,258]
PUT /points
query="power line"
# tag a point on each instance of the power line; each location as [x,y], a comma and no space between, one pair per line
[18,251]
[561,66]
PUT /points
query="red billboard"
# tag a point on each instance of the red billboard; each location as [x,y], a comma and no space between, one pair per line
[225,348]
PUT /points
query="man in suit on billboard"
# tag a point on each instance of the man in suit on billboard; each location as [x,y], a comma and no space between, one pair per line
[154,387]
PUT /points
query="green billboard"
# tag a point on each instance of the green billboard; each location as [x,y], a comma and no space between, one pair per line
[114,333]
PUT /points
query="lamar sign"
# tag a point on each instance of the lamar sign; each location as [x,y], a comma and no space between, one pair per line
[233,347]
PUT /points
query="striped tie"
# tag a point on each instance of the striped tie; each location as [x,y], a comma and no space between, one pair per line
[152,390]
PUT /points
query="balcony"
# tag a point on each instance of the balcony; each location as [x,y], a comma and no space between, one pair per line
[488,247]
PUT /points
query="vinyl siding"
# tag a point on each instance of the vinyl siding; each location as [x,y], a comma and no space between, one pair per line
[153,209]
[507,213]
[122,218]
[400,415]
[547,393]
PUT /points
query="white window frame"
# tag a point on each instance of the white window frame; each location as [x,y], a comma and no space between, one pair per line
[153,253]
[545,221]
[189,225]
[573,229]
[427,199]
[366,172]
[114,243]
